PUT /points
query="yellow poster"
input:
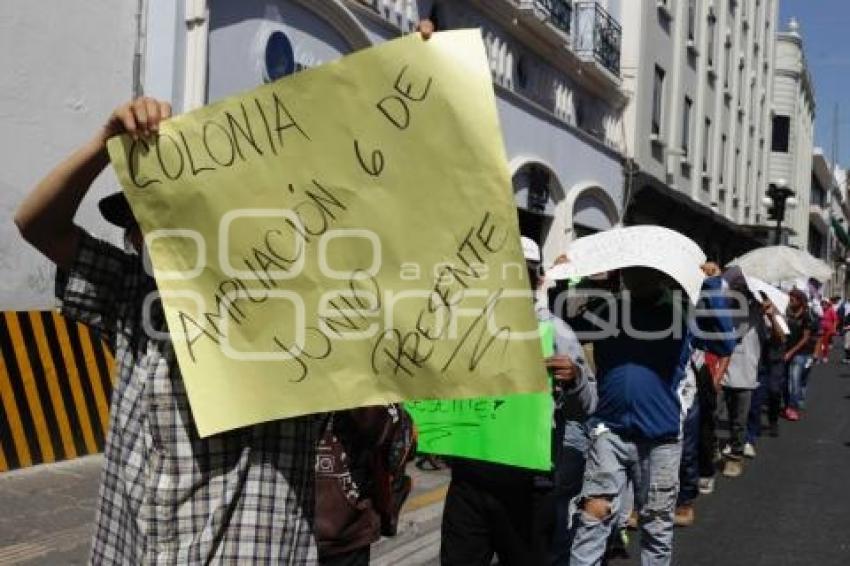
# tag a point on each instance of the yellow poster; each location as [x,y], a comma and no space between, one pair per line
[340,238]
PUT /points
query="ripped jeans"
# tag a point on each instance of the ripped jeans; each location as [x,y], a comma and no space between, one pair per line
[653,467]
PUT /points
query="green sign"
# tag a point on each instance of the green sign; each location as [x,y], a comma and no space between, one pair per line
[511,429]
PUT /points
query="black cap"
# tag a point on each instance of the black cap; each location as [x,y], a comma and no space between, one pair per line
[116,210]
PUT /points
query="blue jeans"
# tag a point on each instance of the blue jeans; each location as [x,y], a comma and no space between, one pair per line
[796,374]
[569,476]
[653,466]
[689,468]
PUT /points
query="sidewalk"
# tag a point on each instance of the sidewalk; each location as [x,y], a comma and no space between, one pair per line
[48,512]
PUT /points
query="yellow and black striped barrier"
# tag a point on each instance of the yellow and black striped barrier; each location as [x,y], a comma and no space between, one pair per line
[55,386]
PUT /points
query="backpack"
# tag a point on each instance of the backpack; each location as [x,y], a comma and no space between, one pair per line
[345,520]
[352,513]
[396,448]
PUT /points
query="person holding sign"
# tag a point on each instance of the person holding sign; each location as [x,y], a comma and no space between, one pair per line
[167,496]
[496,509]
[636,431]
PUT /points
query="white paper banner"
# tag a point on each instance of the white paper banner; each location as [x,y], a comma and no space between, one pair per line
[648,246]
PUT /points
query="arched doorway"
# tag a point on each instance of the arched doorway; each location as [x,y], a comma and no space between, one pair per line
[539,197]
[590,209]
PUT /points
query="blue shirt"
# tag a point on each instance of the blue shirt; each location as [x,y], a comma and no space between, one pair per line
[639,377]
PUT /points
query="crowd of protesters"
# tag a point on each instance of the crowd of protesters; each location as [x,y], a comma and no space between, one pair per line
[636,423]
[634,431]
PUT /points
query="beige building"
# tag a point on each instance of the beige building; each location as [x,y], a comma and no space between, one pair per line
[700,78]
[556,73]
[829,220]
[792,141]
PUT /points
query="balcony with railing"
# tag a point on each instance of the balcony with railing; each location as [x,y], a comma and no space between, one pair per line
[556,13]
[597,36]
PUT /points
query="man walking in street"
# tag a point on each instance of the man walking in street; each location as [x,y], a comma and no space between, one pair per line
[636,430]
[499,510]
[799,351]
[741,377]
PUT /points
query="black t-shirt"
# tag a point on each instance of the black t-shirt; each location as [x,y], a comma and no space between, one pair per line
[798,325]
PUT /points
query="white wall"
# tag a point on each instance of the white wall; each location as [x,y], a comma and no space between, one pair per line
[790,98]
[652,37]
[532,137]
[65,65]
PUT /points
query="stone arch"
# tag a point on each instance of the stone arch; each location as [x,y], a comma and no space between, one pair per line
[540,219]
[594,193]
[341,19]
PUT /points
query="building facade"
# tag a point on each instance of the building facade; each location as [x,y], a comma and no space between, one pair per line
[556,73]
[555,67]
[829,221]
[792,142]
[700,78]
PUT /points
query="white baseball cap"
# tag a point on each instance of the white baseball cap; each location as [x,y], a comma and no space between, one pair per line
[530,249]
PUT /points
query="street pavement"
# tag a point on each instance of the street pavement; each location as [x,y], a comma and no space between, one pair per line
[791,507]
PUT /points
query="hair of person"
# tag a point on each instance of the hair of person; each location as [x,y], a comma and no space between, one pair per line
[799,295]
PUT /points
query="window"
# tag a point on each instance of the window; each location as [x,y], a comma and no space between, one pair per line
[781,133]
[657,100]
[578,109]
[735,171]
[521,72]
[692,16]
[723,140]
[279,58]
[686,126]
[727,64]
[706,146]
[752,103]
[741,83]
[712,25]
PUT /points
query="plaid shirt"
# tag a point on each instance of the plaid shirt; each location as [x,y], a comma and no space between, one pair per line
[166,495]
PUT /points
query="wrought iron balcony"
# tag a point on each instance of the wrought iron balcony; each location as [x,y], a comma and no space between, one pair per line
[597,35]
[557,13]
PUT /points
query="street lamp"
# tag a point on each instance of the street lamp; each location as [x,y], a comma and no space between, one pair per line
[779,195]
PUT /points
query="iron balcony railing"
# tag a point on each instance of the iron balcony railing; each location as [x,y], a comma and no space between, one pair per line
[558,13]
[597,35]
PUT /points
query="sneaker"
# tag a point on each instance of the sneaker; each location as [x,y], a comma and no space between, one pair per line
[733,468]
[773,430]
[749,450]
[684,516]
[792,414]
[706,486]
